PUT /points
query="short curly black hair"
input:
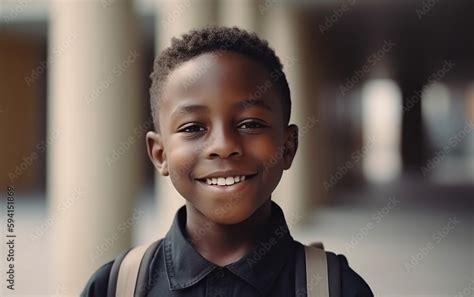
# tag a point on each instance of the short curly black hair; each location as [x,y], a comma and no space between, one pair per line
[217,39]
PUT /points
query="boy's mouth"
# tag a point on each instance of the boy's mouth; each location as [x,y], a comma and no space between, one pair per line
[225,181]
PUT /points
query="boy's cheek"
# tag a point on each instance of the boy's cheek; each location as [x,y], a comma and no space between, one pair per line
[264,144]
[274,159]
[177,172]
[180,164]
[271,150]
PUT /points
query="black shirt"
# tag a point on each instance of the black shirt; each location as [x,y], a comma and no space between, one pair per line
[275,267]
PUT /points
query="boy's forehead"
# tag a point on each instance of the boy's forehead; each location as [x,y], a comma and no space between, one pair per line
[225,79]
[215,72]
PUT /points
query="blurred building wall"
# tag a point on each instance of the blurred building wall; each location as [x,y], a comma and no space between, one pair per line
[22,152]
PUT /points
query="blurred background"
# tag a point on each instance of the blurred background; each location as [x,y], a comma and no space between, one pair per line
[383,93]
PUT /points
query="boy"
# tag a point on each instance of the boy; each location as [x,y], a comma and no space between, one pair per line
[221,107]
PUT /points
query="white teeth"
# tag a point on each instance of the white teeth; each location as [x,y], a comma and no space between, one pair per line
[225,181]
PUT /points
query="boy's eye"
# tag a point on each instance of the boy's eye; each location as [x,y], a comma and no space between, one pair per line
[251,125]
[192,129]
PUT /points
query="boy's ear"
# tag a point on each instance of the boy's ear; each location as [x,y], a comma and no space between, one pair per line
[156,152]
[291,145]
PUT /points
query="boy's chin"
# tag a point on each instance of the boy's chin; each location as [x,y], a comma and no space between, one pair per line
[229,215]
[231,220]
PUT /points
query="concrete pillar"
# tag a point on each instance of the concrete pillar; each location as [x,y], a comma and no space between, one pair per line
[93,124]
[285,27]
[381,126]
[176,17]
[179,16]
[241,13]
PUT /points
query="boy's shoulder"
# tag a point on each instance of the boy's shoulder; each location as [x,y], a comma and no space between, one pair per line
[343,280]
[99,281]
[351,283]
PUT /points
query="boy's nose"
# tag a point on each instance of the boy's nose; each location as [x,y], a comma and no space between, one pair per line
[224,143]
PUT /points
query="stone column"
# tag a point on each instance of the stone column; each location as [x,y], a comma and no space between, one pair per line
[93,122]
[286,28]
[176,17]
[241,13]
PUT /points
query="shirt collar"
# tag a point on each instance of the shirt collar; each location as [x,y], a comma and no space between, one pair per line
[260,267]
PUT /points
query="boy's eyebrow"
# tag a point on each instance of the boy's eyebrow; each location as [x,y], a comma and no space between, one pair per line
[188,108]
[241,105]
[252,102]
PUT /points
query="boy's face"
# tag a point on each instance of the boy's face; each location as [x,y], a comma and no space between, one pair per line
[210,127]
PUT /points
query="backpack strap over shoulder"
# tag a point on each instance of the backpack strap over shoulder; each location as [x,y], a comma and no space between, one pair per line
[113,276]
[317,281]
[129,271]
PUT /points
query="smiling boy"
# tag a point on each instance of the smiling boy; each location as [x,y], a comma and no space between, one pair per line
[221,108]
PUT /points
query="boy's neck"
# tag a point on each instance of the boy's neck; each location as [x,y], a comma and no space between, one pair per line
[224,244]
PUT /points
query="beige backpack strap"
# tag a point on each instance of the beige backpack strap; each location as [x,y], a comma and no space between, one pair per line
[128,273]
[317,282]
